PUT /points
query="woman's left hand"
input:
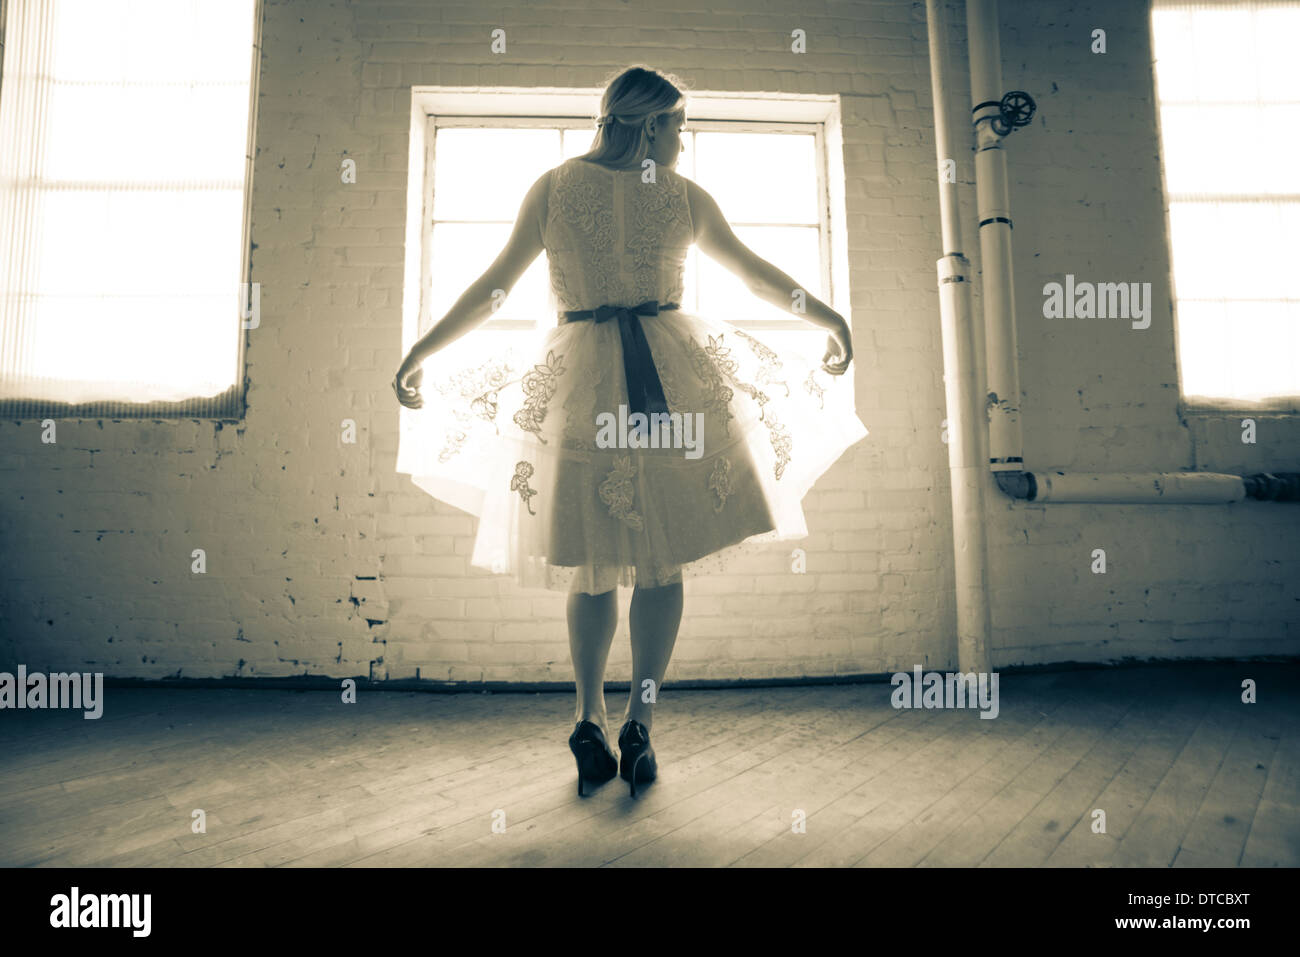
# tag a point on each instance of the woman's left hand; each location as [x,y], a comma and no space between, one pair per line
[407,383]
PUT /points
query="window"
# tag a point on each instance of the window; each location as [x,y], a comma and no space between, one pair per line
[768,178]
[124,159]
[1229,106]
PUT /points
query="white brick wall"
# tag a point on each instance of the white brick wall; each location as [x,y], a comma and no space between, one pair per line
[322,560]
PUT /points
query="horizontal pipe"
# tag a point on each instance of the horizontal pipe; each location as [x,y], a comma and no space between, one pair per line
[1002,372]
[1117,488]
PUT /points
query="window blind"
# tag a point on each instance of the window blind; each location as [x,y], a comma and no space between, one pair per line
[124,167]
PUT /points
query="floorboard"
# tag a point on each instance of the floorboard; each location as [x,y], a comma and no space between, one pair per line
[803,776]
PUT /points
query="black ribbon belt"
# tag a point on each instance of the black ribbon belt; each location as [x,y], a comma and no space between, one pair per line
[645,393]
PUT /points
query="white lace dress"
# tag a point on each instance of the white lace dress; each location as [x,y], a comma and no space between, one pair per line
[520,441]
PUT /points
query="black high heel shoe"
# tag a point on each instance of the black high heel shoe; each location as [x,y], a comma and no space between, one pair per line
[596,762]
[637,758]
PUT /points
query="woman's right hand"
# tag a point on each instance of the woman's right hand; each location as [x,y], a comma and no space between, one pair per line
[839,349]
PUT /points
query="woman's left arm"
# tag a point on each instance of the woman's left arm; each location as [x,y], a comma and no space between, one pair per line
[475,304]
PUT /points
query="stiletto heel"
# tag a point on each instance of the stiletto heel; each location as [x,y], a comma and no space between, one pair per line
[595,761]
[637,758]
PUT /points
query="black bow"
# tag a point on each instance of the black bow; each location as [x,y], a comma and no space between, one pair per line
[645,392]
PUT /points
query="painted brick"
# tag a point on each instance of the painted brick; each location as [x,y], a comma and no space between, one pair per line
[98,528]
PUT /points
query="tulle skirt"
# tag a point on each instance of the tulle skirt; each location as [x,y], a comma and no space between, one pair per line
[574,491]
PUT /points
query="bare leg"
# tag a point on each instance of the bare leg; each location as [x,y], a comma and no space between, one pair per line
[654,616]
[592,620]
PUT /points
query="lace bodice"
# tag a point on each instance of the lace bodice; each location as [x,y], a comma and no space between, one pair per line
[613,239]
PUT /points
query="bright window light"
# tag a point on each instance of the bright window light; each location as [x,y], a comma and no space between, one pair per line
[1229,101]
[122,178]
[764,177]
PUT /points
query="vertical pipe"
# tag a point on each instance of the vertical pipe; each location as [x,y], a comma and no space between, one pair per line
[949,210]
[961,384]
[1002,402]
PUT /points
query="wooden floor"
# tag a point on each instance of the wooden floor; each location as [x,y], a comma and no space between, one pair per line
[1186,774]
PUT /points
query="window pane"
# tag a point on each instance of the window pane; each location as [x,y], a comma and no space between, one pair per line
[1231,220]
[1244,350]
[686,163]
[176,134]
[94,293]
[162,328]
[119,243]
[1233,250]
[1276,29]
[1202,331]
[1199,55]
[462,251]
[759,177]
[483,174]
[577,142]
[151,41]
[792,249]
[1260,152]
[1188,50]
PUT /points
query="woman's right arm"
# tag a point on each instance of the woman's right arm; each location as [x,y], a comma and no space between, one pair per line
[714,235]
[479,301]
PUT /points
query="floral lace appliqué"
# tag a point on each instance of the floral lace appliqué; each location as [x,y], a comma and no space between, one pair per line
[656,245]
[455,437]
[756,394]
[475,391]
[616,492]
[610,237]
[539,386]
[714,363]
[781,444]
[711,364]
[485,405]
[812,388]
[720,481]
[479,386]
[771,362]
[580,215]
[519,483]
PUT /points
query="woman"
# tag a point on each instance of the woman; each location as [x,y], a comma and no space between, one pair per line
[645,442]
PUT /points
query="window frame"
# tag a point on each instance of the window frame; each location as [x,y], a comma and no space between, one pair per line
[569,121]
[1206,407]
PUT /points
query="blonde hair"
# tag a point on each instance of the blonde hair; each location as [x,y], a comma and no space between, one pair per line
[631,99]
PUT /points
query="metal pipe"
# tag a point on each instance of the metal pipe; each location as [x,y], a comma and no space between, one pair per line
[1002,393]
[1188,488]
[966,453]
[1002,398]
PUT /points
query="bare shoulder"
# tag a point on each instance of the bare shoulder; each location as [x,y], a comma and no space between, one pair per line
[541,187]
[533,210]
[543,182]
[704,209]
